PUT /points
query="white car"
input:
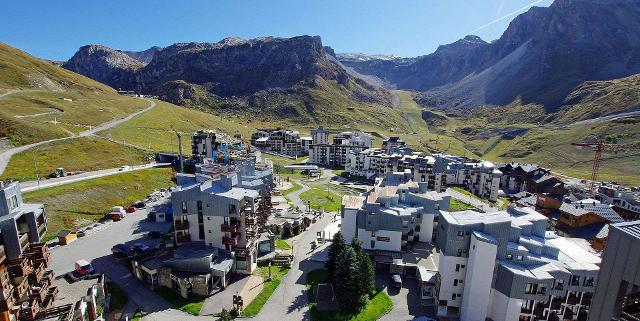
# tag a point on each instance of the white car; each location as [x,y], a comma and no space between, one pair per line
[124,168]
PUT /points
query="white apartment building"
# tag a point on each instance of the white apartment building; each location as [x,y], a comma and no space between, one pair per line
[281,141]
[377,162]
[336,153]
[505,266]
[396,213]
[221,206]
[481,178]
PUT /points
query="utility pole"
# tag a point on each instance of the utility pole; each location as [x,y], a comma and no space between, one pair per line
[180,150]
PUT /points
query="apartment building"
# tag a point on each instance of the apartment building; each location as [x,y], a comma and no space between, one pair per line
[203,144]
[618,290]
[393,143]
[505,266]
[394,215]
[281,141]
[481,178]
[26,284]
[625,201]
[223,207]
[378,162]
[336,153]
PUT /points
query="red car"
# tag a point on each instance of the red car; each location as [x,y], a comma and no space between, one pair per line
[131,209]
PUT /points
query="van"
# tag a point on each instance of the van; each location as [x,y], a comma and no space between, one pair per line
[83,267]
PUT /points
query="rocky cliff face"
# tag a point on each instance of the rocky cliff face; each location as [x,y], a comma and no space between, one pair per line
[542,56]
[233,71]
[105,65]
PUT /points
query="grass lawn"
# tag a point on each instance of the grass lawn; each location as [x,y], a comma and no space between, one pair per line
[78,204]
[79,154]
[192,305]
[282,245]
[292,189]
[277,273]
[379,303]
[321,200]
[459,206]
[119,298]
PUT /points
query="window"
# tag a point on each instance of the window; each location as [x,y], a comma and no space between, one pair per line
[588,281]
[531,288]
[232,208]
[373,244]
[559,284]
[457,267]
[209,231]
[455,282]
[208,218]
[453,297]
[459,253]
[575,280]
[13,202]
[199,203]
[184,207]
[373,233]
[460,233]
[509,256]
[520,258]
[462,266]
[459,295]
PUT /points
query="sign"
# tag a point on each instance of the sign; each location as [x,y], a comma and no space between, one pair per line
[383,239]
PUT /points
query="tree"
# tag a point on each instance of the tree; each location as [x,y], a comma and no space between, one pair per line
[346,281]
[224,315]
[366,273]
[338,246]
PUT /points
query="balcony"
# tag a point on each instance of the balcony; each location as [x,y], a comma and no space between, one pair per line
[19,267]
[183,239]
[181,225]
[38,252]
[37,275]
[3,255]
[250,220]
[24,241]
[230,228]
[42,229]
[230,241]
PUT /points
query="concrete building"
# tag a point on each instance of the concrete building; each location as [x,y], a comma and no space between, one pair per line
[203,144]
[393,216]
[281,141]
[26,284]
[376,162]
[617,295]
[481,178]
[393,143]
[505,266]
[223,207]
[517,177]
[336,153]
[625,201]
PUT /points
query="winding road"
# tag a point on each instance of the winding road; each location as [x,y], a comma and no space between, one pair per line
[6,155]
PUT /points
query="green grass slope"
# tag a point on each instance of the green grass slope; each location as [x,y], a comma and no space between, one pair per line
[41,101]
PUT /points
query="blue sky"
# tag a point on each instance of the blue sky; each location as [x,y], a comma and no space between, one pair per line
[55,29]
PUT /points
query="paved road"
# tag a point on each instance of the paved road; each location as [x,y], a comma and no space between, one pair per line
[46,183]
[96,247]
[6,155]
[606,118]
[295,196]
[289,301]
[471,201]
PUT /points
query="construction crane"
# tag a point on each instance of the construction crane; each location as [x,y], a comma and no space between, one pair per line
[597,159]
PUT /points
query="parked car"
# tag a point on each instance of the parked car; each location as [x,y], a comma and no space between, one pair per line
[121,251]
[81,233]
[396,281]
[115,217]
[139,204]
[83,267]
[131,209]
[154,234]
[124,168]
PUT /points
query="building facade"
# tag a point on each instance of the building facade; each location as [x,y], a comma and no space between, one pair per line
[393,216]
[203,144]
[281,141]
[617,293]
[27,292]
[478,177]
[336,153]
[223,207]
[535,275]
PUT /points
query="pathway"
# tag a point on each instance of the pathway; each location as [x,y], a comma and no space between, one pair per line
[6,155]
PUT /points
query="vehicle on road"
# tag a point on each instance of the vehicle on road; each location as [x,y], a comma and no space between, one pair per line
[139,204]
[121,251]
[131,209]
[81,233]
[124,168]
[396,281]
[83,267]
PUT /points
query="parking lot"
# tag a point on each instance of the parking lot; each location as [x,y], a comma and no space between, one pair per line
[96,248]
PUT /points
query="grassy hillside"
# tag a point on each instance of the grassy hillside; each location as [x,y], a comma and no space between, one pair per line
[35,93]
[81,154]
[78,204]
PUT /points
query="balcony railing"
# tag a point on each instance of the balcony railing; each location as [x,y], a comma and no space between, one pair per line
[181,225]
[24,241]
[183,238]
[42,229]
[3,255]
[230,228]
[231,241]
[19,267]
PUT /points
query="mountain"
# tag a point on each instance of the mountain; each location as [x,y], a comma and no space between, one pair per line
[144,56]
[543,56]
[105,65]
[296,78]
